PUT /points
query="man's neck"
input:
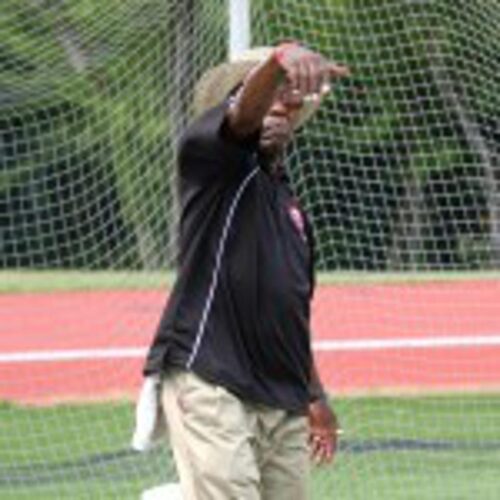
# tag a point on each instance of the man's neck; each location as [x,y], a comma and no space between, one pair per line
[274,164]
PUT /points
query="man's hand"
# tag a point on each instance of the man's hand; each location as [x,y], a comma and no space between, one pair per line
[324,431]
[308,73]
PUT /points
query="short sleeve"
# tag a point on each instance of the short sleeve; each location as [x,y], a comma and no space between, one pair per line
[207,150]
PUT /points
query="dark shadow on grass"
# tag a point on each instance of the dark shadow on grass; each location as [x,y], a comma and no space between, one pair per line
[121,465]
[125,465]
[389,445]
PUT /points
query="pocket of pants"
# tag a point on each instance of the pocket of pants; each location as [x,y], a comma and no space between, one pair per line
[198,400]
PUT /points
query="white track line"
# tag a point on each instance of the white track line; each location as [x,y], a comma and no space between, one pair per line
[72,355]
[320,346]
[407,343]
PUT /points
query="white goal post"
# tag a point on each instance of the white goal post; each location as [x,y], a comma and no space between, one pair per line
[240,34]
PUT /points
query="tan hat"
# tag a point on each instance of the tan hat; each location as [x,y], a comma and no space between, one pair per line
[216,84]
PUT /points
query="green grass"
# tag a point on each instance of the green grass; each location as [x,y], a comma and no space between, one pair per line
[79,451]
[56,281]
[394,448]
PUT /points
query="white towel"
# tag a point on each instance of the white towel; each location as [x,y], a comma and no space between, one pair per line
[150,424]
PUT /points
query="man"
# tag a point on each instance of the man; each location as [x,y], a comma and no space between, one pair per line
[240,392]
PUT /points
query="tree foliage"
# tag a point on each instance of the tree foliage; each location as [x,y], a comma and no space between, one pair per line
[402,161]
[417,121]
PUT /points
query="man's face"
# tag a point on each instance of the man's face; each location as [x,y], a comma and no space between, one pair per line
[279,123]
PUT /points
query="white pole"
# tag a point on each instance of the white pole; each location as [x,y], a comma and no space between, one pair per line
[239,27]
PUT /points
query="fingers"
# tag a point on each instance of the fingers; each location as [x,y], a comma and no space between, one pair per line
[338,70]
[323,445]
[322,449]
[313,77]
[308,73]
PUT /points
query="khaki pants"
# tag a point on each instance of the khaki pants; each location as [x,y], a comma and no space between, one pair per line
[229,450]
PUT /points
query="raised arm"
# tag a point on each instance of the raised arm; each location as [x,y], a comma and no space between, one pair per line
[294,71]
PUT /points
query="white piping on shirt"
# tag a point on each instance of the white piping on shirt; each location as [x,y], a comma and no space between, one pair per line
[218,262]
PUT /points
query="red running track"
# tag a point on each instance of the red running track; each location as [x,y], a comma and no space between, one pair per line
[352,316]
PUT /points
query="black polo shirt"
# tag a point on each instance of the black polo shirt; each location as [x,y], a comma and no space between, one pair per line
[238,314]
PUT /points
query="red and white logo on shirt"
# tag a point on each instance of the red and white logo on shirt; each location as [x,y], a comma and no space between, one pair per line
[297,218]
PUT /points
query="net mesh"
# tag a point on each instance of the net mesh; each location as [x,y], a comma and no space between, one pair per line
[398,172]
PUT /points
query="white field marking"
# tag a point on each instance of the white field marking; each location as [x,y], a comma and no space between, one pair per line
[407,343]
[319,346]
[72,355]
